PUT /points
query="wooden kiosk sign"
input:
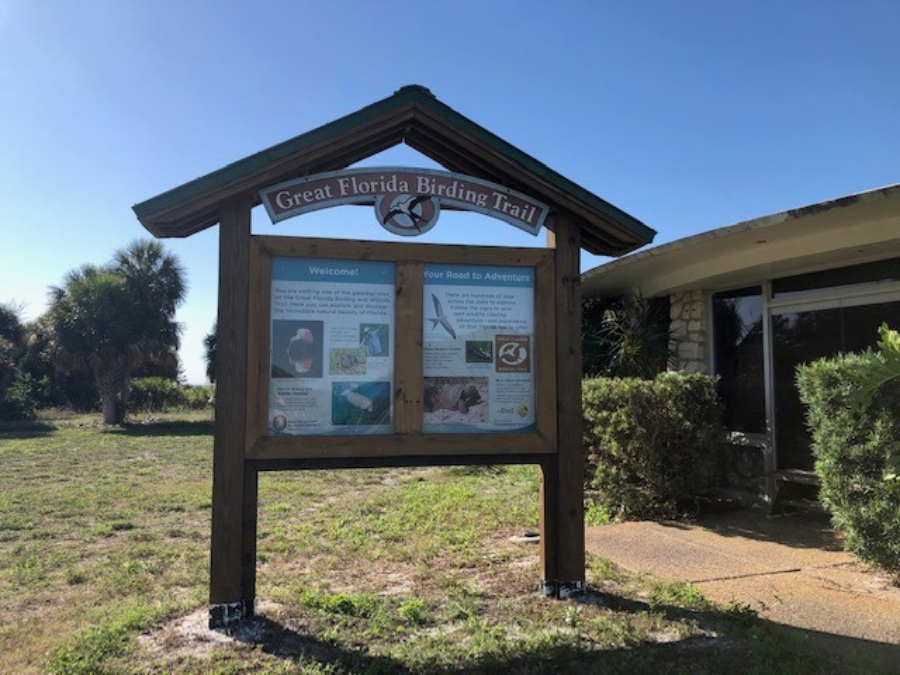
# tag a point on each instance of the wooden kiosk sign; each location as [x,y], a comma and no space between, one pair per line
[345,354]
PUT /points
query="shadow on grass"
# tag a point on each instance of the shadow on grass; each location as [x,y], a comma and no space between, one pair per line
[174,428]
[281,641]
[879,657]
[273,638]
[736,640]
[855,655]
[25,429]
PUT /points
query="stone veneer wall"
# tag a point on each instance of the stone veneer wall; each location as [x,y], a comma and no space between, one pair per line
[690,337]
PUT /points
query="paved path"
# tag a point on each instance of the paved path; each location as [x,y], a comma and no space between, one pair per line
[791,569]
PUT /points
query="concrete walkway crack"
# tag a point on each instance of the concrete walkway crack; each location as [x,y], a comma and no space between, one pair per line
[749,576]
[792,570]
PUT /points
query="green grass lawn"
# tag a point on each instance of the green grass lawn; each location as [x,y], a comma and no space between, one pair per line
[104,536]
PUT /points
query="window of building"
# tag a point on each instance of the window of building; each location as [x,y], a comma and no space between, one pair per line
[866,274]
[738,355]
[804,336]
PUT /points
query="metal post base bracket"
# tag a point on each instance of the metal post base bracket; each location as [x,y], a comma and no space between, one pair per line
[562,590]
[227,615]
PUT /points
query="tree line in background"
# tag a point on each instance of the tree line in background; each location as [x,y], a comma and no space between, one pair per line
[110,325]
[620,337]
[104,326]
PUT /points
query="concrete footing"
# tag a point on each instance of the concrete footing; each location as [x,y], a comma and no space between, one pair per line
[562,590]
[226,615]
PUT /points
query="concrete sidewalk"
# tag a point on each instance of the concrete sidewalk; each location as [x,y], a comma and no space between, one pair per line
[791,569]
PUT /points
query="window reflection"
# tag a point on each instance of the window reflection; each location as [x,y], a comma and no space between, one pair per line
[873,273]
[803,337]
[738,350]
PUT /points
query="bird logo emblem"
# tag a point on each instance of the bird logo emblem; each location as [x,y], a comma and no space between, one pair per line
[512,353]
[407,215]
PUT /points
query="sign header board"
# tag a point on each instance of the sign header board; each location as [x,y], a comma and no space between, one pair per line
[407,201]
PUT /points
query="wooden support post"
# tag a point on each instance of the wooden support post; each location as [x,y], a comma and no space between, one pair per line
[250,498]
[549,528]
[562,477]
[233,554]
[408,340]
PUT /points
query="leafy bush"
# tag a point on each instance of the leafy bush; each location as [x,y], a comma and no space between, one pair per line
[16,402]
[857,450]
[49,387]
[197,397]
[882,366]
[651,443]
[15,388]
[155,394]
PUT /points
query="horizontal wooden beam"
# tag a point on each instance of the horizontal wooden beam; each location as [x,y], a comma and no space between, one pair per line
[308,247]
[332,464]
[422,446]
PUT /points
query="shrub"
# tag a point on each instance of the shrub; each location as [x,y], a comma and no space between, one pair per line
[155,394]
[197,397]
[49,387]
[651,443]
[15,387]
[17,403]
[857,451]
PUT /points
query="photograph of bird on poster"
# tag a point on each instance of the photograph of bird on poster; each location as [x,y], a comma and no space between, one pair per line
[441,319]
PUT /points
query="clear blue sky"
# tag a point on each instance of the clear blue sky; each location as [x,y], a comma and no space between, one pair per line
[689,115]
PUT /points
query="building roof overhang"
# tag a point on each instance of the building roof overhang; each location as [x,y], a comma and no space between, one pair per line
[856,228]
[412,115]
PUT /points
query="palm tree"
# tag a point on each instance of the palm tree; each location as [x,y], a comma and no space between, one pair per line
[109,321]
[11,342]
[92,330]
[626,337]
[209,352]
[156,281]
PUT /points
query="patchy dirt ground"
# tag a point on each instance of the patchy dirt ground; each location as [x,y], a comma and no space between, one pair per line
[189,637]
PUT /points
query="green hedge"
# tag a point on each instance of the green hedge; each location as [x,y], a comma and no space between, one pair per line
[857,450]
[651,443]
[198,396]
[16,402]
[155,394]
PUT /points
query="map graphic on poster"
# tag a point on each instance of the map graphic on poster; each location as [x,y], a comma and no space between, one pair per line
[331,350]
[478,360]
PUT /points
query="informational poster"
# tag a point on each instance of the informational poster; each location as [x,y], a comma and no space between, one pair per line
[478,347]
[331,352]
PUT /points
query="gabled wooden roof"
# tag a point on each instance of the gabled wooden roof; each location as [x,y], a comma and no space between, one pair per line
[412,115]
